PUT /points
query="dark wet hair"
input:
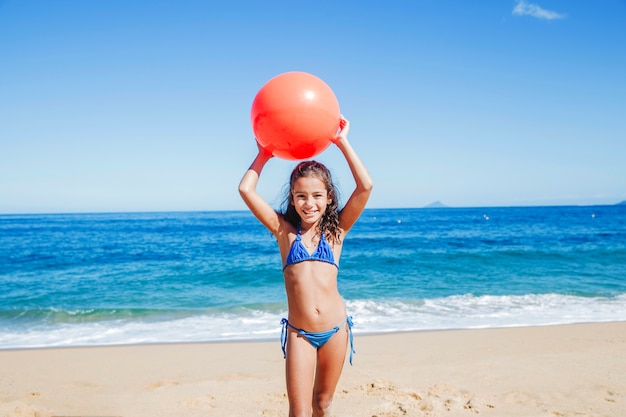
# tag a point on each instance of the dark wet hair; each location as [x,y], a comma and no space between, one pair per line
[329,223]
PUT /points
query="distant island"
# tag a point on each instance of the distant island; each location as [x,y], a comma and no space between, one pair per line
[623,203]
[436,204]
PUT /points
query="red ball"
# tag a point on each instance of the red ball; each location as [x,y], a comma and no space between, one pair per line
[295,116]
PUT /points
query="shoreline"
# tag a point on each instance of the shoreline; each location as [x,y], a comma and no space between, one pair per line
[277,337]
[562,370]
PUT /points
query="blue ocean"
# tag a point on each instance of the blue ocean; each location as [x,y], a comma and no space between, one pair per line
[127,278]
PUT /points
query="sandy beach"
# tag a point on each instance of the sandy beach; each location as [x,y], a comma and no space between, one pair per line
[570,370]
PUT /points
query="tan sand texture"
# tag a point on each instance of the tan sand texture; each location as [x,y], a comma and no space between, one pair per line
[555,371]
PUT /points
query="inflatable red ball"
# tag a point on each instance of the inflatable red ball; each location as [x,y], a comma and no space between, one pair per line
[295,116]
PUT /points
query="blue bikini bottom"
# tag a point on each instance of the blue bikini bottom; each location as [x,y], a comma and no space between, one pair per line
[317,339]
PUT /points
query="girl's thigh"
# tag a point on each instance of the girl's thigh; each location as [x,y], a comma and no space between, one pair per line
[330,360]
[300,369]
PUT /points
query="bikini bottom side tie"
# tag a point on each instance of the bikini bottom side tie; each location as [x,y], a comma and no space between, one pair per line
[317,339]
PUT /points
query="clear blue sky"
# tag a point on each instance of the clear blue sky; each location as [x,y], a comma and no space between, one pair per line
[144,105]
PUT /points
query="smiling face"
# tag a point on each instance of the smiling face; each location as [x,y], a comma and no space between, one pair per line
[310,199]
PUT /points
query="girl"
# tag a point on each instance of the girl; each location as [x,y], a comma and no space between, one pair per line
[310,235]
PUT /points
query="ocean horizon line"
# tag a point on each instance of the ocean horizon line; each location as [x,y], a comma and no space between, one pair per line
[239,210]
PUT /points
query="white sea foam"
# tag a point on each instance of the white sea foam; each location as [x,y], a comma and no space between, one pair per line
[455,312]
[467,311]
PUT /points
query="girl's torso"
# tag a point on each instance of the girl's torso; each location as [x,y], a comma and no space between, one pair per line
[310,273]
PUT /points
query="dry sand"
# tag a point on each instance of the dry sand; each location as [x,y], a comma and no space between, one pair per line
[574,370]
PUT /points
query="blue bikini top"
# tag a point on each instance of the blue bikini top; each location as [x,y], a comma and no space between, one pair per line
[298,252]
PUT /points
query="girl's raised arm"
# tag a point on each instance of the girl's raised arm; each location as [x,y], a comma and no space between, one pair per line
[356,203]
[257,205]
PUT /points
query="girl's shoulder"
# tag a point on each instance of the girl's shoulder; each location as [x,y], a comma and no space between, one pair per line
[285,228]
